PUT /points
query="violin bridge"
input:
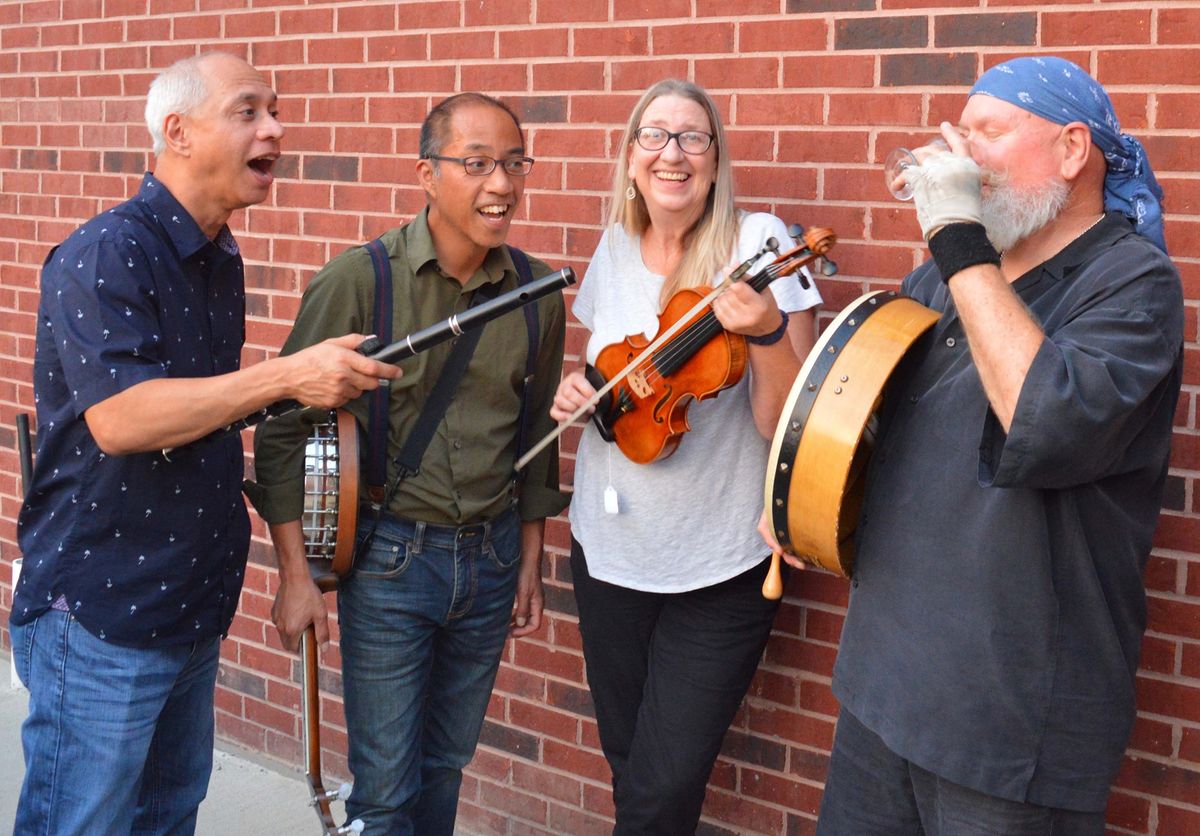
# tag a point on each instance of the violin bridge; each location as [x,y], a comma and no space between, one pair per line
[639,385]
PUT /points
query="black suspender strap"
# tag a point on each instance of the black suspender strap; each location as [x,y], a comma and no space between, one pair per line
[525,276]
[377,413]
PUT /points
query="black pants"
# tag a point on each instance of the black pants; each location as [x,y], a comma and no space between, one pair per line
[667,674]
[872,791]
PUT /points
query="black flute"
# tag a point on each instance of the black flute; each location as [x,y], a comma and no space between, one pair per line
[426,338]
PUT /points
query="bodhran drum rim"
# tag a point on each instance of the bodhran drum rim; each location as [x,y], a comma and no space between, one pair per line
[823,421]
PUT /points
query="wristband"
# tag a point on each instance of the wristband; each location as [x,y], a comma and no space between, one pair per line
[958,246]
[773,337]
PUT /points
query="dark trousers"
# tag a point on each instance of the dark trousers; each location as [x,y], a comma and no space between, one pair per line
[667,674]
[871,791]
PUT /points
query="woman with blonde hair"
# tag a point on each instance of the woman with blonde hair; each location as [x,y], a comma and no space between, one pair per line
[667,564]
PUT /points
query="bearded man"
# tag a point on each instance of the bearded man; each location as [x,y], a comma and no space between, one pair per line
[986,670]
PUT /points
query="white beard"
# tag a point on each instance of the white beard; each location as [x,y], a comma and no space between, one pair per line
[1011,215]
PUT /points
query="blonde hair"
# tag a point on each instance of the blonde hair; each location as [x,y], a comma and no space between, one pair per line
[709,244]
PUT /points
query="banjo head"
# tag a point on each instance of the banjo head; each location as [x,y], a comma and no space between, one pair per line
[827,430]
[330,515]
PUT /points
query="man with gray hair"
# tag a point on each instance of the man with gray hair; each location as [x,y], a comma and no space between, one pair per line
[133,559]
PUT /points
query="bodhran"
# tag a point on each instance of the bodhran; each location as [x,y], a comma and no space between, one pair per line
[330,514]
[827,431]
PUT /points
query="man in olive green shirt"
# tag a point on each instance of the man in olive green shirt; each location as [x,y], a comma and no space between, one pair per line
[425,613]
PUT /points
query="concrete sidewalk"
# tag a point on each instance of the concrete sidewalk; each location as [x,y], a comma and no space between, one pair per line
[247,795]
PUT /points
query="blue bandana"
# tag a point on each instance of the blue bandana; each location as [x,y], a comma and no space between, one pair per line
[1060,92]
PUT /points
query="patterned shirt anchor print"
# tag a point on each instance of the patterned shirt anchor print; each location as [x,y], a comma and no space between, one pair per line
[141,549]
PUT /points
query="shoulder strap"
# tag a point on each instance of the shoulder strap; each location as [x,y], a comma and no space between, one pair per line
[525,276]
[377,415]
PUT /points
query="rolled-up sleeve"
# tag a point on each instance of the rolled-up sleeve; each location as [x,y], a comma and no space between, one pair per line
[1094,384]
[326,310]
[540,494]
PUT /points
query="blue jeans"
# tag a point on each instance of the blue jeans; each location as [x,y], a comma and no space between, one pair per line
[872,791]
[118,739]
[423,618]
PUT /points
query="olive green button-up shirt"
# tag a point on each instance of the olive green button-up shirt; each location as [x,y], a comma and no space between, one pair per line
[467,469]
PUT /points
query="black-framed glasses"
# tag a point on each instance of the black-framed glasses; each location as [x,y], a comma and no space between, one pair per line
[656,139]
[481,166]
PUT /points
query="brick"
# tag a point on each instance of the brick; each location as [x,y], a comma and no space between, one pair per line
[252,25]
[789,109]
[650,9]
[693,38]
[462,44]
[539,109]
[782,35]
[826,71]
[337,51]
[1160,66]
[734,73]
[493,78]
[641,75]
[575,76]
[330,168]
[1128,811]
[1177,819]
[803,6]
[1164,780]
[866,109]
[1124,27]
[513,741]
[1009,29]
[924,69]
[1178,26]
[610,41]
[531,43]
[822,145]
[366,17]
[878,33]
[305,21]
[423,78]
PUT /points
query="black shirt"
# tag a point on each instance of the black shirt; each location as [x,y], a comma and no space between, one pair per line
[997,607]
[142,549]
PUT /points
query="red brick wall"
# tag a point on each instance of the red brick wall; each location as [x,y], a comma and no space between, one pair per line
[814,93]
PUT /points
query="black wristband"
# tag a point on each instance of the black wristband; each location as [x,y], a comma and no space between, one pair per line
[958,246]
[773,337]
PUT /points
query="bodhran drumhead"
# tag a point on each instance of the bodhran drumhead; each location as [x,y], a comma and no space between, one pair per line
[826,433]
[331,494]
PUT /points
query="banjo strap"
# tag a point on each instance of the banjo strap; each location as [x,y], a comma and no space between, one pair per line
[408,461]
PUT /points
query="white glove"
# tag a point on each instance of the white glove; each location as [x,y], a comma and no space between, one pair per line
[946,190]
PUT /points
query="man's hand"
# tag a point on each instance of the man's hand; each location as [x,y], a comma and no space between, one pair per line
[299,603]
[331,372]
[527,607]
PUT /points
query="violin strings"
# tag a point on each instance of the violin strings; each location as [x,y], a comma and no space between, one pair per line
[694,336]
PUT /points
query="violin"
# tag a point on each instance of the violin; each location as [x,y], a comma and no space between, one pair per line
[644,389]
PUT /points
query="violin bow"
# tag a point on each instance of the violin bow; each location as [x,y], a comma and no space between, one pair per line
[817,243]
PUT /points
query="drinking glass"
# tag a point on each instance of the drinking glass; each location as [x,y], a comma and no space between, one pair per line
[900,159]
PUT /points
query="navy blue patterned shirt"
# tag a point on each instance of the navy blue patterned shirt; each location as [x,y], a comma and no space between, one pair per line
[141,549]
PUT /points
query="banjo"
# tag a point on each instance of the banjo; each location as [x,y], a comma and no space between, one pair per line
[827,430]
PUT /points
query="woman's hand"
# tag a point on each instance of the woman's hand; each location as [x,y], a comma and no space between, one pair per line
[573,392]
[743,310]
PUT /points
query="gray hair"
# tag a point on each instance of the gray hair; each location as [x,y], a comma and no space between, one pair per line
[180,88]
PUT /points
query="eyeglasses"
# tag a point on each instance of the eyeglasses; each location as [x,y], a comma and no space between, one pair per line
[656,139]
[481,166]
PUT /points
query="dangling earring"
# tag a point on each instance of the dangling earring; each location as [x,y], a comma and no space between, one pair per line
[631,192]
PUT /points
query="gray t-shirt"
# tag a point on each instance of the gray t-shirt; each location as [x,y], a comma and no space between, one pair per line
[687,521]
